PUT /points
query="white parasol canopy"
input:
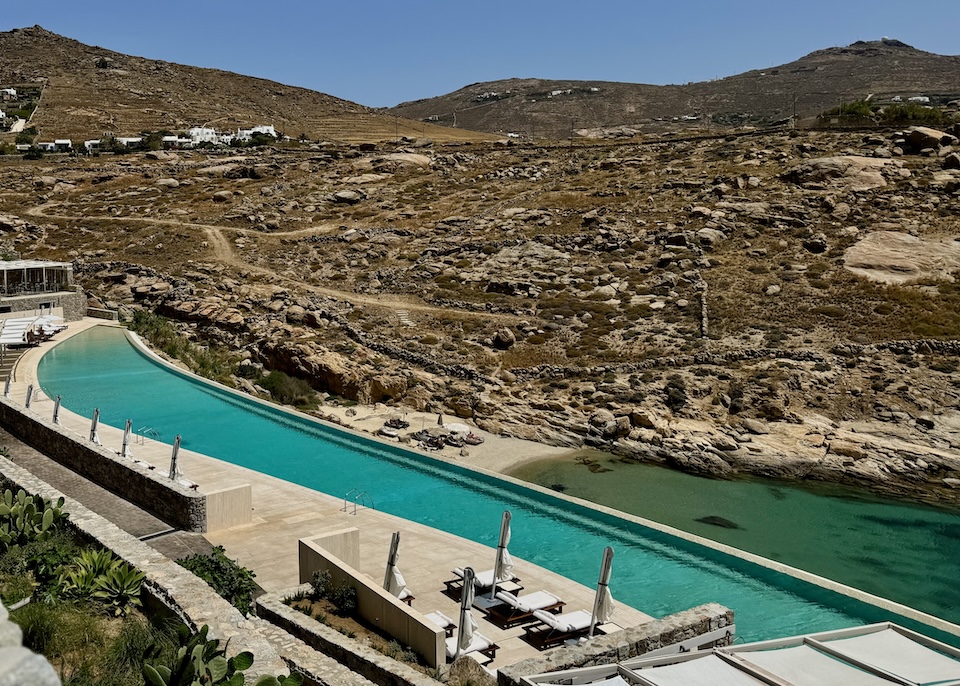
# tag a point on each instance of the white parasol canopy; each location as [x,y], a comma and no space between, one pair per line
[603,603]
[94,435]
[468,625]
[125,450]
[393,581]
[175,472]
[503,565]
[56,410]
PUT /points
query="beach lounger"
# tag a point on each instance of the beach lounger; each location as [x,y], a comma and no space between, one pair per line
[515,610]
[442,621]
[481,580]
[480,644]
[406,596]
[551,630]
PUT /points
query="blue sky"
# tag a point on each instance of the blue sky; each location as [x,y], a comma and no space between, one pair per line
[382,52]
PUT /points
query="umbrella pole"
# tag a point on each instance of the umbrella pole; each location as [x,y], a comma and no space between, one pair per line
[391,559]
[602,583]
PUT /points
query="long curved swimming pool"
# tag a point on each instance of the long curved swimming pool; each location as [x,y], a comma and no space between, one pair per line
[653,571]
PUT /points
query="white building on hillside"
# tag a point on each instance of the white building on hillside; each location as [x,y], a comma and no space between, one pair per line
[8,93]
[247,134]
[204,134]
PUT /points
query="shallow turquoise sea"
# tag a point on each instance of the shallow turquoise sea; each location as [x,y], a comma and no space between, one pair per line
[654,572]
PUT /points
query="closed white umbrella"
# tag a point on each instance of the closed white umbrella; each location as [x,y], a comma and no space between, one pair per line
[393,581]
[6,386]
[503,565]
[125,450]
[603,603]
[175,472]
[94,436]
[56,410]
[29,396]
[468,625]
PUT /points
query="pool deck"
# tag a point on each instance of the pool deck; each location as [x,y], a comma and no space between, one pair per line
[284,512]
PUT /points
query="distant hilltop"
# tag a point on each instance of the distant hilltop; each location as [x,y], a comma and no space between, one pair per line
[885,68]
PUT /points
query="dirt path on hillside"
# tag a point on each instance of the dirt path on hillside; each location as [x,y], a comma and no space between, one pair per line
[223,252]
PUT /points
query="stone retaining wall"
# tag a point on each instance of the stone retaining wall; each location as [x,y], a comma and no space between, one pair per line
[167,500]
[74,305]
[626,644]
[188,597]
[353,655]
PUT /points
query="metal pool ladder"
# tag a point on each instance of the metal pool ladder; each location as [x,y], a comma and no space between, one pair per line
[147,432]
[358,498]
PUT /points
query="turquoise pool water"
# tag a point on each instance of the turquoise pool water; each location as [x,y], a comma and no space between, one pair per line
[653,572]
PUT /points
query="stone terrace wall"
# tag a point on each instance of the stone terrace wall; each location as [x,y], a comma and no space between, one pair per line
[626,644]
[359,658]
[166,582]
[165,499]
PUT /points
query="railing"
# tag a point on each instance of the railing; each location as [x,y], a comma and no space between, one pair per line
[145,432]
[359,498]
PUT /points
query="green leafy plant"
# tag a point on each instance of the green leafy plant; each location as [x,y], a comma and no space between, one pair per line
[119,588]
[225,576]
[25,518]
[201,662]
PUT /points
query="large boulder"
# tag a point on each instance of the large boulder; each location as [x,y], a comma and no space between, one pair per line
[921,137]
[347,197]
[852,172]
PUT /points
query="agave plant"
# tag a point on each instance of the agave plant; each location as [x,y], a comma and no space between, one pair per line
[82,578]
[119,587]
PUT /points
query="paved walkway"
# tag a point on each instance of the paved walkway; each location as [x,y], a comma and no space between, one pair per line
[284,512]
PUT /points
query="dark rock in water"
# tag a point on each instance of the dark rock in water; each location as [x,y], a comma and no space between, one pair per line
[714,520]
[559,488]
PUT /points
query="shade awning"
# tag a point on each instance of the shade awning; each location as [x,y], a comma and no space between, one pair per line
[893,652]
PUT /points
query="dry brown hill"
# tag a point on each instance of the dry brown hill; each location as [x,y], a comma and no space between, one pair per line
[90,90]
[541,108]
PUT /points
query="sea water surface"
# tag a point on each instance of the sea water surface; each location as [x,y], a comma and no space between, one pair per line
[901,551]
[653,572]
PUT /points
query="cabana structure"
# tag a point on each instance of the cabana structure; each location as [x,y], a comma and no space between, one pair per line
[39,287]
[871,655]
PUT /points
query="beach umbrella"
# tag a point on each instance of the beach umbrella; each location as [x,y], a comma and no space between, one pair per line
[503,565]
[94,436]
[56,410]
[175,472]
[603,603]
[6,386]
[393,581]
[29,396]
[125,450]
[468,625]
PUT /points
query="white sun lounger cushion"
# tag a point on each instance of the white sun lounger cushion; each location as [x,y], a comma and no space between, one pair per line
[568,621]
[479,642]
[529,602]
[482,579]
[438,618]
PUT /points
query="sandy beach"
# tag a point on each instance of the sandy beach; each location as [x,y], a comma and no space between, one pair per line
[496,453]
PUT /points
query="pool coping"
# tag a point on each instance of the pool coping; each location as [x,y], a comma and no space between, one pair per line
[724,549]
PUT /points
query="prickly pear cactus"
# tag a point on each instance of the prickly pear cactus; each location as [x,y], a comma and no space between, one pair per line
[25,518]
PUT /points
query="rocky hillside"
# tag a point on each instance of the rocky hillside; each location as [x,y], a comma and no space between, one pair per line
[90,90]
[776,303]
[552,109]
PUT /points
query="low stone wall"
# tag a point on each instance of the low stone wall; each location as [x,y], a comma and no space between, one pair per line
[374,604]
[165,499]
[626,644]
[188,597]
[72,306]
[353,655]
[171,502]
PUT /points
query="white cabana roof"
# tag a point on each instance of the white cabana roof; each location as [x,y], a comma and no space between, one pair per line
[7,265]
[874,655]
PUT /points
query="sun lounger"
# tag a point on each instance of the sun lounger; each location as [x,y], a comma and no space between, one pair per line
[481,580]
[515,610]
[551,630]
[442,621]
[480,644]
[406,596]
